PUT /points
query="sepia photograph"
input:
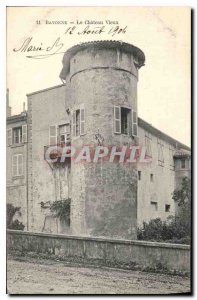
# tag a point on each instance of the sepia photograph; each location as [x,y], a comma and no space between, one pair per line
[98,150]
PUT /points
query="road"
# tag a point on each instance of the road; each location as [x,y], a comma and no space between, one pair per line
[41,276]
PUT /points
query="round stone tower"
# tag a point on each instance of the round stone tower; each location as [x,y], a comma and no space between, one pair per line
[102,81]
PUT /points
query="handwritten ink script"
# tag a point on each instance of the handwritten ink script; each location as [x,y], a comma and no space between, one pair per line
[35,50]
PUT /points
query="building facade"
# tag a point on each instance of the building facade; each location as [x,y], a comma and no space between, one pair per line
[95,105]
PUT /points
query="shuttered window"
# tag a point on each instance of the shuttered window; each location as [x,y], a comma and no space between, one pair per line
[9,136]
[148,140]
[124,123]
[117,119]
[82,121]
[17,135]
[134,123]
[160,153]
[78,122]
[74,123]
[53,135]
[24,133]
[17,165]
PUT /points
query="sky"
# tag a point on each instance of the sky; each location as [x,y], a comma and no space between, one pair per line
[162,33]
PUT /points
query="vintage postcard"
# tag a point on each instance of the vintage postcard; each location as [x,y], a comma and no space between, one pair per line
[98,188]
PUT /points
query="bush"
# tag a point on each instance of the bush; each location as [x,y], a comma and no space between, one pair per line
[10,211]
[16,225]
[61,209]
[173,231]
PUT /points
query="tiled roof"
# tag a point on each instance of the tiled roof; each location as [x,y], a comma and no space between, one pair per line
[181,153]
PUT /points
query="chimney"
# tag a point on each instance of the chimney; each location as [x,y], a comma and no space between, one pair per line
[8,108]
[23,106]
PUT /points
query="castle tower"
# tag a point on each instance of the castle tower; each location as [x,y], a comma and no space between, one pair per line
[102,79]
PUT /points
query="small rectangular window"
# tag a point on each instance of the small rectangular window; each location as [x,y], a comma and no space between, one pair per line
[183,164]
[167,208]
[139,175]
[151,177]
[154,205]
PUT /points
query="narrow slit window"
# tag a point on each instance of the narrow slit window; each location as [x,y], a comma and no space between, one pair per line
[154,205]
[167,208]
[151,177]
[183,164]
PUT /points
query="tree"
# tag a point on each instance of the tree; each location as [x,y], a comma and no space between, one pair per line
[182,196]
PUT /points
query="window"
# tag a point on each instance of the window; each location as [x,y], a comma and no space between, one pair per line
[183,164]
[9,136]
[17,135]
[24,133]
[53,135]
[160,153]
[78,122]
[117,119]
[154,205]
[134,123]
[125,112]
[139,175]
[148,140]
[124,122]
[17,165]
[151,178]
[64,134]
[167,208]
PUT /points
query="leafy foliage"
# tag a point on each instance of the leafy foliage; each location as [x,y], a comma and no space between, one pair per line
[61,209]
[182,195]
[11,210]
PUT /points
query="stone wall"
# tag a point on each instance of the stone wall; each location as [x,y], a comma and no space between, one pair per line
[45,108]
[161,257]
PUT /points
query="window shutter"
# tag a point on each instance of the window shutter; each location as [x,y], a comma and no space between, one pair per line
[9,136]
[53,135]
[24,133]
[20,164]
[82,121]
[74,123]
[117,119]
[134,123]
[14,165]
